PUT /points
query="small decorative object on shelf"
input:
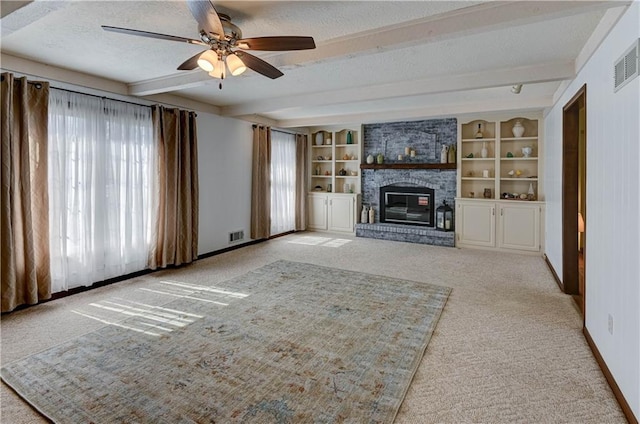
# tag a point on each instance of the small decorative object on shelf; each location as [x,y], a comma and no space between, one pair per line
[354,173]
[400,157]
[370,159]
[479,132]
[484,152]
[364,215]
[487,193]
[531,195]
[349,138]
[470,156]
[412,153]
[345,157]
[452,154]
[526,151]
[444,217]
[509,154]
[444,153]
[329,141]
[485,173]
[472,194]
[380,158]
[372,216]
[407,151]
[329,188]
[346,188]
[518,129]
[342,172]
[319,139]
[318,170]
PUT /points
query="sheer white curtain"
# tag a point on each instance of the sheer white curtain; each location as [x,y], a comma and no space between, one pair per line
[283,182]
[102,165]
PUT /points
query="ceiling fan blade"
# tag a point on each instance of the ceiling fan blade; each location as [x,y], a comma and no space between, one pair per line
[191,63]
[206,16]
[277,43]
[259,65]
[152,35]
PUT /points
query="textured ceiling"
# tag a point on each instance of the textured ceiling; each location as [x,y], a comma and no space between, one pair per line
[375,60]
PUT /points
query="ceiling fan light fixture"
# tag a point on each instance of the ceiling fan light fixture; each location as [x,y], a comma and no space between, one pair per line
[218,70]
[208,60]
[235,64]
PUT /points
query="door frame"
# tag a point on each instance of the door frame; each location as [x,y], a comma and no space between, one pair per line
[570,187]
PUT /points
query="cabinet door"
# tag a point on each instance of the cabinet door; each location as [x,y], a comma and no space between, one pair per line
[519,227]
[476,223]
[341,213]
[317,212]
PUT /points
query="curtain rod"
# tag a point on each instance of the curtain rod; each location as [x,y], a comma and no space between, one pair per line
[95,95]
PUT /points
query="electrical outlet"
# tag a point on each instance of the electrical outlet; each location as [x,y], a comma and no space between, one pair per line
[610,326]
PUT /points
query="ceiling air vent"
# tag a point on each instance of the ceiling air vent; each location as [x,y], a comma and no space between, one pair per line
[626,68]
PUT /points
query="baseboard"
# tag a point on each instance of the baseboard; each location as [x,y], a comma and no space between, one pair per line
[626,409]
[554,273]
[229,249]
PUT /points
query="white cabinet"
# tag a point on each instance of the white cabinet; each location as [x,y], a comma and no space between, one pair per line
[519,226]
[341,213]
[332,212]
[476,224]
[506,225]
[317,210]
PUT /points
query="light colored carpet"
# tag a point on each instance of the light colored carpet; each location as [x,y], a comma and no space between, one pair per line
[508,346]
[288,342]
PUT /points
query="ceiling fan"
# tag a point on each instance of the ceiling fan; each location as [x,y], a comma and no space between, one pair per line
[225,45]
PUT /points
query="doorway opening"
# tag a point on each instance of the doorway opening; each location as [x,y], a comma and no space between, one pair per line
[574,189]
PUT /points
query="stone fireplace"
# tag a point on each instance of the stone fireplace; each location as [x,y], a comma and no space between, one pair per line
[419,174]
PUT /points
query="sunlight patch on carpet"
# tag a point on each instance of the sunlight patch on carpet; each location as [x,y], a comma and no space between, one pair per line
[320,241]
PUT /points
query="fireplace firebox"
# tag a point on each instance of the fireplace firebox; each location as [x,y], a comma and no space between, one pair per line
[407,205]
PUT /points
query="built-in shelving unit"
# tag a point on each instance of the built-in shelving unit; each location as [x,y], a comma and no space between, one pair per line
[335,152]
[491,157]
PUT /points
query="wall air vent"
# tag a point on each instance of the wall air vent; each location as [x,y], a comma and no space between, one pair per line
[236,236]
[626,68]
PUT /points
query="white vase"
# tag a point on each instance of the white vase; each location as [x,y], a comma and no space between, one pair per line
[484,152]
[319,139]
[370,159]
[444,154]
[518,129]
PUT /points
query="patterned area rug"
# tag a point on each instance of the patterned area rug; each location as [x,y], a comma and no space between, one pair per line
[286,343]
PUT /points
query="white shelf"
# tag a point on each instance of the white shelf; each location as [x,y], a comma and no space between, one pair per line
[519,179]
[471,140]
[479,159]
[519,158]
[348,160]
[477,179]
[347,145]
[519,138]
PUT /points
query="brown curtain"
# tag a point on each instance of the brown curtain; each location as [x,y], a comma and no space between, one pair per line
[25,274]
[301,182]
[176,232]
[260,183]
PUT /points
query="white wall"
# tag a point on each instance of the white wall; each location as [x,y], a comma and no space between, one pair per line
[224,169]
[613,206]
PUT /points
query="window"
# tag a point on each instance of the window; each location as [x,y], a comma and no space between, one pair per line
[283,182]
[101,188]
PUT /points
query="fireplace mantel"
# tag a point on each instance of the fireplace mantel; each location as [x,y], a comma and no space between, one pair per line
[451,166]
